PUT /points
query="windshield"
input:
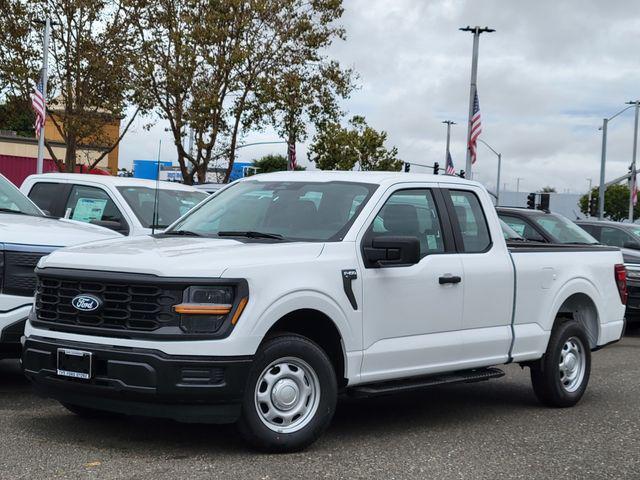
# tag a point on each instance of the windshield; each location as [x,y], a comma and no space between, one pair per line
[508,232]
[563,229]
[302,211]
[13,201]
[172,204]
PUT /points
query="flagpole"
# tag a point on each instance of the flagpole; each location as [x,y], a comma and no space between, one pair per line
[472,90]
[446,153]
[633,186]
[45,66]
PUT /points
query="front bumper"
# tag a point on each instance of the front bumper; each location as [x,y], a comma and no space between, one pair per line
[12,325]
[142,382]
[632,313]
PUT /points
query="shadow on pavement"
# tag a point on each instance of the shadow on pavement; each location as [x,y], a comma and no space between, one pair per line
[11,377]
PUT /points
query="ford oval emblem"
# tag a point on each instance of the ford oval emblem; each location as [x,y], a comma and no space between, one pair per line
[86,303]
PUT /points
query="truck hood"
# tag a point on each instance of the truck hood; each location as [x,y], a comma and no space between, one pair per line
[49,232]
[179,256]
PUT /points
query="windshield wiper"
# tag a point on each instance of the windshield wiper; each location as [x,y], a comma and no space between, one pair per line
[250,234]
[9,210]
[182,232]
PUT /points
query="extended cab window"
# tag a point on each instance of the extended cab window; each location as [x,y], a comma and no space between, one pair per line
[91,204]
[45,195]
[411,213]
[472,221]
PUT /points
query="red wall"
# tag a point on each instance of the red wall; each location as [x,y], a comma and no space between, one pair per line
[16,169]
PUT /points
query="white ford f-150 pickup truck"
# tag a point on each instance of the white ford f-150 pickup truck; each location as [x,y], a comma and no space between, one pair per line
[285,289]
[26,235]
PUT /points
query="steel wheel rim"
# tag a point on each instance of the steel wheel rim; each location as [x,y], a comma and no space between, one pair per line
[572,365]
[287,395]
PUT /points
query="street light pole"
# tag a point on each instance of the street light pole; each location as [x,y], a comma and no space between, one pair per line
[446,153]
[472,90]
[518,183]
[590,180]
[45,67]
[603,161]
[632,183]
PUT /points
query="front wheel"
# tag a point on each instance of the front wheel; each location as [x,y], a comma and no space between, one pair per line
[560,378]
[290,397]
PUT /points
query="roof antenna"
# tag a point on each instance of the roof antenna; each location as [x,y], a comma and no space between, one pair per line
[155,200]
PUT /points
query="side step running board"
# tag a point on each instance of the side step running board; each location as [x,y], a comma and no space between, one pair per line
[417,383]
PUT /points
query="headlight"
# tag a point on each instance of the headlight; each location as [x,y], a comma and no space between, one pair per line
[207,308]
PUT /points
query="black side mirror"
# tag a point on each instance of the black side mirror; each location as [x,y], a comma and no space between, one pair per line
[392,251]
[632,245]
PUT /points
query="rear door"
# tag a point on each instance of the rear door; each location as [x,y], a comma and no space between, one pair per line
[488,278]
[411,318]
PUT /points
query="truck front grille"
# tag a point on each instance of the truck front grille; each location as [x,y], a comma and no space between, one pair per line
[19,275]
[127,307]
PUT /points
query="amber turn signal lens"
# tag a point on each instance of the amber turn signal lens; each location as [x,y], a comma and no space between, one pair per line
[202,309]
[241,305]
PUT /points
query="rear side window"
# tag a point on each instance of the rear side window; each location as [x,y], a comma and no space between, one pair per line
[615,237]
[472,221]
[45,195]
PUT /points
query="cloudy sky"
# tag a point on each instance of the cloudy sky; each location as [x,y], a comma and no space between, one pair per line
[546,78]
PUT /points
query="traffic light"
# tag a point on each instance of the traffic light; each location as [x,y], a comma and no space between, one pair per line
[593,206]
[461,174]
[436,168]
[544,202]
[531,201]
[407,167]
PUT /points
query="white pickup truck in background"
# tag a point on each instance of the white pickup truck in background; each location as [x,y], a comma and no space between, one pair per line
[26,235]
[267,300]
[130,206]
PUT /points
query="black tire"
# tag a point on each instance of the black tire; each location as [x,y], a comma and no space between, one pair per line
[283,349]
[552,387]
[86,412]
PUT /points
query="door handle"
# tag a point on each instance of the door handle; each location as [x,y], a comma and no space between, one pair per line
[449,279]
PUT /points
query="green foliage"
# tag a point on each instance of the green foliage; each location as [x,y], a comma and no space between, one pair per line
[616,202]
[548,189]
[358,146]
[273,163]
[16,115]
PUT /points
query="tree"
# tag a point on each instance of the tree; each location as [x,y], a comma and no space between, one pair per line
[16,115]
[273,163]
[206,62]
[548,189]
[92,62]
[338,148]
[616,202]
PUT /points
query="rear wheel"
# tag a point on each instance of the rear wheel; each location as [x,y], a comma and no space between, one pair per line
[290,396]
[560,378]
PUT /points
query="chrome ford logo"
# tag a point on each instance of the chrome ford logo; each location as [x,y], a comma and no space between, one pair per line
[86,303]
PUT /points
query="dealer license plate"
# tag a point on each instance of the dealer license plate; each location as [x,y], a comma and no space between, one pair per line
[74,363]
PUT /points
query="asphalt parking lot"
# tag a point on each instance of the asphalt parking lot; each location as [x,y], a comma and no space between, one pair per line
[491,430]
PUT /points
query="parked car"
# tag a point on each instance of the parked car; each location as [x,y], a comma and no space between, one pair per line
[126,205]
[267,300]
[543,226]
[26,235]
[626,236]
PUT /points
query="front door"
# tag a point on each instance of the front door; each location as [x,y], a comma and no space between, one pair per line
[412,314]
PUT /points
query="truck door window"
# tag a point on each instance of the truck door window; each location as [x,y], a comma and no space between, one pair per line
[46,195]
[89,204]
[411,213]
[472,221]
[523,228]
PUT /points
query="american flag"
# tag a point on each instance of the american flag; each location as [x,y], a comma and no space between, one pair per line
[292,156]
[450,170]
[38,105]
[476,128]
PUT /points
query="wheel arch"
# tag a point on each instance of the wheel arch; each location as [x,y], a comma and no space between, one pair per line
[581,307]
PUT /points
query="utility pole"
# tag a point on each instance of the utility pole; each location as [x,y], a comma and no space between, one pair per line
[446,153]
[603,162]
[472,90]
[518,183]
[632,178]
[45,75]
